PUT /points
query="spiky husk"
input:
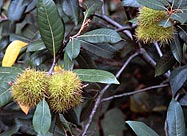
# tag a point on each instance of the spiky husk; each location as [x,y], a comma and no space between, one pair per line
[149,30]
[29,87]
[64,91]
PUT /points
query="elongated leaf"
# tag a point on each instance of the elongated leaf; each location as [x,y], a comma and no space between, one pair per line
[90,10]
[16,9]
[12,53]
[11,131]
[153,4]
[175,120]
[141,129]
[73,48]
[68,63]
[164,64]
[51,26]
[130,3]
[42,118]
[94,75]
[101,35]
[181,17]
[104,50]
[176,48]
[71,9]
[177,79]
[7,75]
[36,46]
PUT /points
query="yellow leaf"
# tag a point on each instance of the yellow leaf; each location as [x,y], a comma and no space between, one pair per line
[12,53]
[24,108]
[58,68]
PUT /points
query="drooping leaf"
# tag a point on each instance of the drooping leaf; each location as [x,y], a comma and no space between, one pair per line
[73,48]
[36,46]
[176,48]
[51,26]
[183,34]
[130,3]
[95,75]
[71,116]
[177,79]
[164,64]
[153,4]
[12,53]
[113,116]
[175,122]
[71,9]
[11,131]
[7,76]
[104,50]
[181,17]
[101,35]
[42,118]
[68,63]
[141,129]
[16,9]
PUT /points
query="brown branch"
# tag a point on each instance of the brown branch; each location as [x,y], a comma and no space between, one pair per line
[134,92]
[99,98]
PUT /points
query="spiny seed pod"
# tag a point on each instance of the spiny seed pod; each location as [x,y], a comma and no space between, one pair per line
[149,30]
[149,16]
[29,87]
[64,91]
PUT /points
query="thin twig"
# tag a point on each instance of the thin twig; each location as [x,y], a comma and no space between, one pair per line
[134,92]
[158,49]
[99,98]
[114,23]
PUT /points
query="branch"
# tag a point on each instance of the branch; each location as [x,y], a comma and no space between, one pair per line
[134,92]
[99,98]
[114,23]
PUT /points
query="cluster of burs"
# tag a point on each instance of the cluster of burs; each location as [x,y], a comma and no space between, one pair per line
[62,90]
[149,30]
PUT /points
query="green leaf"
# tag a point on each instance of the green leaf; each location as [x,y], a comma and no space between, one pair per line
[104,50]
[176,48]
[177,79]
[153,4]
[130,3]
[11,131]
[71,9]
[101,35]
[7,75]
[164,64]
[36,46]
[42,118]
[51,26]
[16,9]
[90,11]
[181,17]
[73,48]
[165,23]
[111,117]
[175,120]
[68,63]
[94,75]
[141,129]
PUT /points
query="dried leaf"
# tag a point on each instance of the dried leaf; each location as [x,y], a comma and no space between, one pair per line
[12,53]
[24,108]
